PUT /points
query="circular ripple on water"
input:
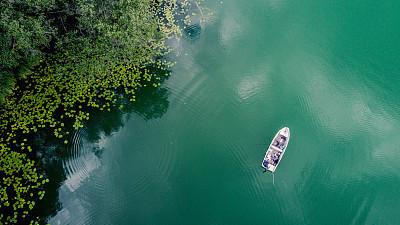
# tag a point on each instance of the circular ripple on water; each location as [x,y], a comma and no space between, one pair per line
[81,161]
[137,162]
[132,165]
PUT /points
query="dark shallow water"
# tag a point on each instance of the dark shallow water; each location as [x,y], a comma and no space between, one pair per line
[191,153]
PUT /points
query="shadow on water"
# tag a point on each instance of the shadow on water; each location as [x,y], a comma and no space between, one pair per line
[192,32]
[151,103]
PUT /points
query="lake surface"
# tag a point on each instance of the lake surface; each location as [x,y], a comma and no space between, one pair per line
[190,151]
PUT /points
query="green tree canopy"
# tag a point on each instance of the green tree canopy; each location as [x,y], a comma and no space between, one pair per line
[95,50]
[24,31]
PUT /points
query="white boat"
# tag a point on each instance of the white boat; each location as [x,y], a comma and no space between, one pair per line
[276,149]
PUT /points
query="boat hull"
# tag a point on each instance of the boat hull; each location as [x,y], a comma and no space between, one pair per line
[276,150]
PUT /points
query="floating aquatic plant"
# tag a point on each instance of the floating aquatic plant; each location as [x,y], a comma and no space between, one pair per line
[86,71]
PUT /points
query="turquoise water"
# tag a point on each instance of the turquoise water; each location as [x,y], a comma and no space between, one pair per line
[190,151]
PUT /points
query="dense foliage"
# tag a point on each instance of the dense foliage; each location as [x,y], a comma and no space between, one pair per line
[24,31]
[94,49]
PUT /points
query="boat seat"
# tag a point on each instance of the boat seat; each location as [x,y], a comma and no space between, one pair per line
[277,149]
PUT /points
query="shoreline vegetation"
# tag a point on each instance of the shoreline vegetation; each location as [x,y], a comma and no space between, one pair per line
[60,58]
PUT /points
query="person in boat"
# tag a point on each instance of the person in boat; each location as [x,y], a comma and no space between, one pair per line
[265,164]
[275,159]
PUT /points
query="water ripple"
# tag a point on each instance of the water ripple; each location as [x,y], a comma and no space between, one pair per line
[80,163]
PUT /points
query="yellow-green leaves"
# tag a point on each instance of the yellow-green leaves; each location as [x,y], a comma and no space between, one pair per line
[94,69]
[19,181]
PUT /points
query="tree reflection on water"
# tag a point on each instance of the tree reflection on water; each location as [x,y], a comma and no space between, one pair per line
[52,154]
